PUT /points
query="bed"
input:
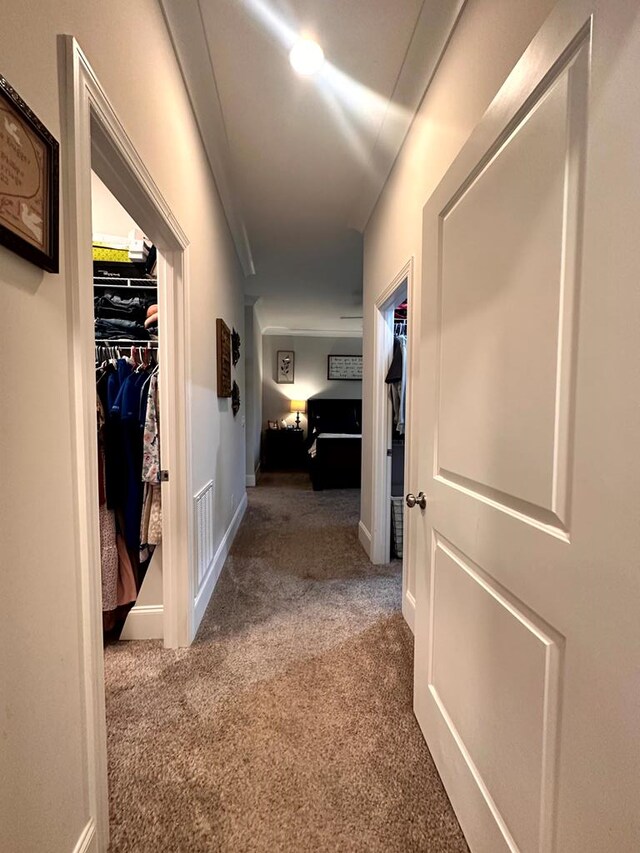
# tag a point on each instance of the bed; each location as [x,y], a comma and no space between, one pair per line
[334,443]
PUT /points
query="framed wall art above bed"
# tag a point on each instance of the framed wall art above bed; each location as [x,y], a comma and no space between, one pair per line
[344,367]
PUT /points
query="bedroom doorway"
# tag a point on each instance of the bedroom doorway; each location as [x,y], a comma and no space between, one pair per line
[391,536]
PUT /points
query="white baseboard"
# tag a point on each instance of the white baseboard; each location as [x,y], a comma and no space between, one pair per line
[213,573]
[88,841]
[409,610]
[144,622]
[365,538]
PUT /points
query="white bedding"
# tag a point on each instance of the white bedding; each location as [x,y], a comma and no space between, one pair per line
[313,449]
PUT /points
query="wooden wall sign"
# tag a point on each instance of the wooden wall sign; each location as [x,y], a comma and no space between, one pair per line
[223,358]
[28,182]
[344,367]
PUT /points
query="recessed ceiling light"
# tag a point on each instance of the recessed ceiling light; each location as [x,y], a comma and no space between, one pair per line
[306,57]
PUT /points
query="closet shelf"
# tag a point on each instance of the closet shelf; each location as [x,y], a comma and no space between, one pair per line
[127,341]
[149,284]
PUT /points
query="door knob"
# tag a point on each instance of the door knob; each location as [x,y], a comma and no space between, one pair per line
[420,500]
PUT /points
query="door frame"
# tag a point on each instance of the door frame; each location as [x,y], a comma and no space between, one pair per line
[381,468]
[94,136]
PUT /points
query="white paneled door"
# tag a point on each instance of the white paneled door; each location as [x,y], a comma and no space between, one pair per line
[527,668]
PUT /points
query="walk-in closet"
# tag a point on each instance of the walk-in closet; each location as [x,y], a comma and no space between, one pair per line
[396,383]
[127,372]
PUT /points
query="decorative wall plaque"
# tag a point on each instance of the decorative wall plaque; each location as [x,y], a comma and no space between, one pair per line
[344,367]
[223,358]
[235,347]
[235,398]
[28,182]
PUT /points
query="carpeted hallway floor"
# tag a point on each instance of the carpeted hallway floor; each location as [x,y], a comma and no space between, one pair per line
[288,725]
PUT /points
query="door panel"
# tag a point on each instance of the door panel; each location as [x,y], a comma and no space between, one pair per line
[494,675]
[501,294]
[527,565]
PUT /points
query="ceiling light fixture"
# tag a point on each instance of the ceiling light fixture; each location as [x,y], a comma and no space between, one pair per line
[306,57]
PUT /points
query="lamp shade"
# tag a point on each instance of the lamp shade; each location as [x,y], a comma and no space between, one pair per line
[298,405]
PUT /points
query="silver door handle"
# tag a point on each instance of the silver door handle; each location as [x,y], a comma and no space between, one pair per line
[420,500]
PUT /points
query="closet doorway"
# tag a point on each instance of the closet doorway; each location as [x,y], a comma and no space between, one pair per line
[95,141]
[391,535]
[130,470]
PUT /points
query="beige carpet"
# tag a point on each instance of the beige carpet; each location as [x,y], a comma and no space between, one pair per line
[288,725]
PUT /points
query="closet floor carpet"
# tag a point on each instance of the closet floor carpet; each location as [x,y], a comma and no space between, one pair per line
[288,725]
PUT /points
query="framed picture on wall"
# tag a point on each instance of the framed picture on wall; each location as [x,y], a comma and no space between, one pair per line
[28,182]
[344,367]
[285,362]
[223,358]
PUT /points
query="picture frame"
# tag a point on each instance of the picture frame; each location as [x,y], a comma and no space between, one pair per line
[272,424]
[223,358]
[285,367]
[29,183]
[347,367]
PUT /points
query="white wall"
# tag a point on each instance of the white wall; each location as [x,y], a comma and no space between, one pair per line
[107,214]
[43,785]
[310,373]
[487,42]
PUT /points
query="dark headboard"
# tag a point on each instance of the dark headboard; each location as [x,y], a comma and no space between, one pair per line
[324,415]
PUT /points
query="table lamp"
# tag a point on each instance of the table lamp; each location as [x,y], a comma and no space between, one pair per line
[298,406]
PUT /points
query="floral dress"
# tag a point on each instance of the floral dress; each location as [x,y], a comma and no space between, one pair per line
[151,525]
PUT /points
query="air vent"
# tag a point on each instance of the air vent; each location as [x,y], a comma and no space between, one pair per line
[203,513]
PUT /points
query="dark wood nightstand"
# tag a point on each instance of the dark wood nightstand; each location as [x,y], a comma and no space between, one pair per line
[283,450]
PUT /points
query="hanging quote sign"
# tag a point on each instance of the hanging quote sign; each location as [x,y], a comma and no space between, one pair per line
[344,367]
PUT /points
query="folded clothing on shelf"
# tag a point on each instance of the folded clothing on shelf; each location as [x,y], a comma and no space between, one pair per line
[115,327]
[108,304]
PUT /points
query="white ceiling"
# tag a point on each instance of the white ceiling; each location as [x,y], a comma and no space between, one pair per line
[300,162]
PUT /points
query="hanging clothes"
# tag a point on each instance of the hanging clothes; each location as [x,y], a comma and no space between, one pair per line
[128,435]
[125,414]
[151,524]
[108,547]
[397,380]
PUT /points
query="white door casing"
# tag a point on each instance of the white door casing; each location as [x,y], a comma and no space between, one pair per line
[402,286]
[94,136]
[527,560]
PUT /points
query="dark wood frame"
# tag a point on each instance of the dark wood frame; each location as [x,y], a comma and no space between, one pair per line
[343,378]
[223,358]
[49,260]
[293,367]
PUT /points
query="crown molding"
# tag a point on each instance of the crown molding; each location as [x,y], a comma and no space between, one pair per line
[186,28]
[279,331]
